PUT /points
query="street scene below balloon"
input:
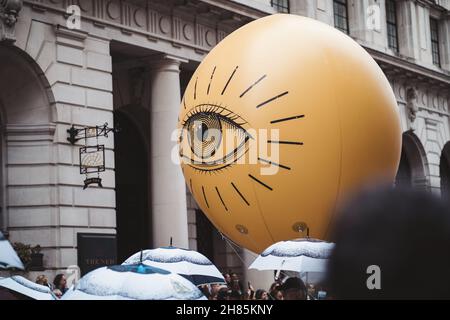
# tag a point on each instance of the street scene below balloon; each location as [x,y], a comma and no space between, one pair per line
[382,233]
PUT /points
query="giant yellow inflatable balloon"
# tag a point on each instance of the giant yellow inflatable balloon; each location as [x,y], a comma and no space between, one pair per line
[311,117]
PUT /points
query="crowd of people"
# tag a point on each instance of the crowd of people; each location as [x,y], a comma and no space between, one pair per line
[292,288]
[58,286]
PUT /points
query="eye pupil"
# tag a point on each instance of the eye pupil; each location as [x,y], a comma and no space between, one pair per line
[205,132]
[202,132]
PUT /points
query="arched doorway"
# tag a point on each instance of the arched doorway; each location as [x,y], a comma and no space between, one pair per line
[445,172]
[131,171]
[27,112]
[412,168]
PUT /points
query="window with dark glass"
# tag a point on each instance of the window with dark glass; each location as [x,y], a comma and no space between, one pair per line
[280,5]
[391,18]
[340,15]
[434,28]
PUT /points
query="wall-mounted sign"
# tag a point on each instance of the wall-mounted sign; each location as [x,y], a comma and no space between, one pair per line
[92,157]
[92,160]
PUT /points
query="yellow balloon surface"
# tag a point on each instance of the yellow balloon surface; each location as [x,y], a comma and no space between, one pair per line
[314,105]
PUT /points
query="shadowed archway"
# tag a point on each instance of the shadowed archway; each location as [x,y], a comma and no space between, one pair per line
[132,190]
[412,169]
[445,172]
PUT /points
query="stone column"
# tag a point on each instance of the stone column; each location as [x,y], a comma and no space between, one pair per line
[445,42]
[168,189]
[408,37]
[367,22]
[304,8]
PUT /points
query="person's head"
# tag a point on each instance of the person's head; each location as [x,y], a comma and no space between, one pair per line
[227,277]
[234,276]
[236,285]
[398,236]
[42,280]
[275,286]
[293,289]
[222,294]
[276,295]
[234,295]
[214,288]
[60,281]
[57,293]
[261,295]
[205,290]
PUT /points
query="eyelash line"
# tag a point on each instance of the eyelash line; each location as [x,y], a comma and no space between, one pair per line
[213,108]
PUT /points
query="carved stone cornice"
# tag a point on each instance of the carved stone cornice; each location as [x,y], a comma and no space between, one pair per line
[9,11]
[183,23]
[256,11]
[410,70]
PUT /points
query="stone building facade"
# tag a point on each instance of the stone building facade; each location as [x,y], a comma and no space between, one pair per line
[127,65]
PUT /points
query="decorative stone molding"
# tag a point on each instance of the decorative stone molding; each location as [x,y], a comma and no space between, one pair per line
[29,132]
[184,24]
[420,96]
[70,38]
[9,11]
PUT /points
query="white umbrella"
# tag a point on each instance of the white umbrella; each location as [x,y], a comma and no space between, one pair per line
[8,257]
[302,255]
[188,263]
[28,288]
[133,282]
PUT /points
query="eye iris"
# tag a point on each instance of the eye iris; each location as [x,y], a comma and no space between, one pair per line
[205,134]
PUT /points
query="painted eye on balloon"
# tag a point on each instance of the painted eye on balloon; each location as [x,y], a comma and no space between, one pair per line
[212,137]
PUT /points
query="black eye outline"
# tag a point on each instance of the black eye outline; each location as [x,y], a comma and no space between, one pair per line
[228,117]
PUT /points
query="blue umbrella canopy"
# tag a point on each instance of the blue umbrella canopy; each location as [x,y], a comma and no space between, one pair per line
[188,263]
[133,282]
[8,257]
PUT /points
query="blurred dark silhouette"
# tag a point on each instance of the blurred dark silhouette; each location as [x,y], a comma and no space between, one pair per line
[406,233]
